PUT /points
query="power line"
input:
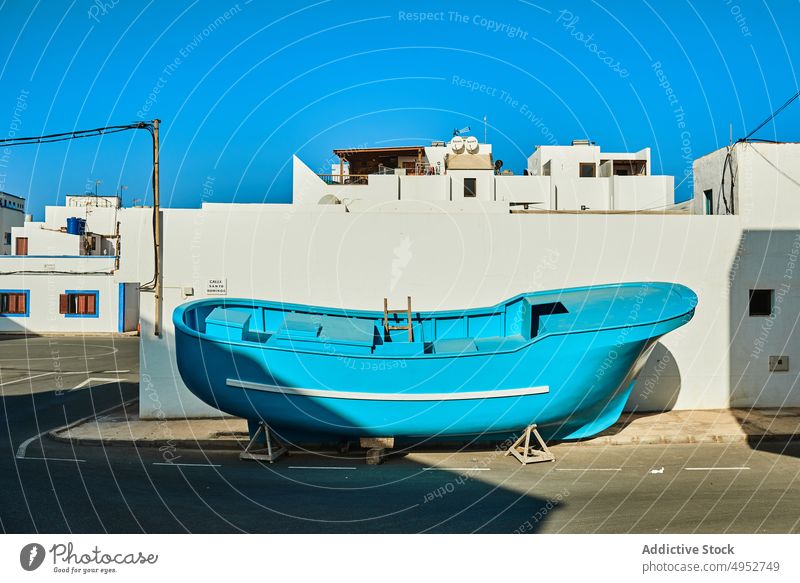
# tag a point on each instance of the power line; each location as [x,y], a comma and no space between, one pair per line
[64,136]
[152,127]
[772,116]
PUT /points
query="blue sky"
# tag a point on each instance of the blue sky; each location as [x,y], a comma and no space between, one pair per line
[242,86]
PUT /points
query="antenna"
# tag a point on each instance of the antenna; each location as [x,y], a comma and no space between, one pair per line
[731,134]
[484,129]
[463,130]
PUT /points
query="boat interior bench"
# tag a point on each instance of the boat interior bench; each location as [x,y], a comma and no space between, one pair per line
[365,335]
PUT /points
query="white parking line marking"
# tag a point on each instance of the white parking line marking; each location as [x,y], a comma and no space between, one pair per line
[89,380]
[434,469]
[187,465]
[36,376]
[735,468]
[52,459]
[322,467]
[115,371]
[588,469]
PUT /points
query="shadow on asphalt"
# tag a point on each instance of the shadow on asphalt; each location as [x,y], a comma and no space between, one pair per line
[778,446]
[130,489]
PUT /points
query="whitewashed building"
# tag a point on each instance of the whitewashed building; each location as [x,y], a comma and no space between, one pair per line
[436,223]
[576,177]
[12,214]
[57,281]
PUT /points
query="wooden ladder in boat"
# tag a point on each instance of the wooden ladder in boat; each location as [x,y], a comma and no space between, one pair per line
[407,312]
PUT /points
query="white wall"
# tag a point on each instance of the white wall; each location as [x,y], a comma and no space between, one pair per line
[431,188]
[100,220]
[9,218]
[573,193]
[706,175]
[309,188]
[43,241]
[43,302]
[456,261]
[523,189]
[642,192]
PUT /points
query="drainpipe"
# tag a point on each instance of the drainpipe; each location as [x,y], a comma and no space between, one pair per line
[157,230]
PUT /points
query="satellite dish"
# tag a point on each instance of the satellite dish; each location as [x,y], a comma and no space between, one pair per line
[329,199]
[457,144]
[472,144]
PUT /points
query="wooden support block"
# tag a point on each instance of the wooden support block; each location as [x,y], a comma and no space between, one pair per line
[375,456]
[379,442]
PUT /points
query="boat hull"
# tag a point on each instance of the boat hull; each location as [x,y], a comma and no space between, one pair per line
[572,385]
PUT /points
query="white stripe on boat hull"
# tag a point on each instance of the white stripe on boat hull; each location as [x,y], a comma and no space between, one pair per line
[389,396]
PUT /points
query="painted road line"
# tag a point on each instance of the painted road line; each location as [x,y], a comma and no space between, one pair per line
[114,371]
[83,356]
[588,469]
[437,469]
[90,379]
[44,374]
[36,376]
[322,467]
[732,469]
[187,465]
[52,459]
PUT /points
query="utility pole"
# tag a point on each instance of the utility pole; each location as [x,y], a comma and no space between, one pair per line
[152,127]
[157,230]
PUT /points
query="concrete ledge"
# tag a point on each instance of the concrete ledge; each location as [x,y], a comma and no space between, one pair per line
[672,427]
[117,429]
[702,426]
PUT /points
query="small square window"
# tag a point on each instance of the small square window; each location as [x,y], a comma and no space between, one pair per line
[761,302]
[470,187]
[588,170]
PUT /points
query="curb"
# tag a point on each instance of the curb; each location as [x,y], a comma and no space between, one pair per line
[688,439]
[199,444]
[602,441]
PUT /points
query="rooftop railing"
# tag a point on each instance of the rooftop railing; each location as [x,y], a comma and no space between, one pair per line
[337,179]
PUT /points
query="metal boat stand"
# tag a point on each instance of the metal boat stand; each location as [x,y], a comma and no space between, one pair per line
[268,450]
[530,454]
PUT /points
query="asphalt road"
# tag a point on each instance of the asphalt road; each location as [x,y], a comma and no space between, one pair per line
[55,487]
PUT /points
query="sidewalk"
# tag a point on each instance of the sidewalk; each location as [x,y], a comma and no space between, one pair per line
[123,427]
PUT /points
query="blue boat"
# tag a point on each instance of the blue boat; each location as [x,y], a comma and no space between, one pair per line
[565,360]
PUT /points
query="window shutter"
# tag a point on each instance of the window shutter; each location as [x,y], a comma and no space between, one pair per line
[21,303]
[63,304]
[91,301]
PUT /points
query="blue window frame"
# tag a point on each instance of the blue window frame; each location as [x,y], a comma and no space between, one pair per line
[80,303]
[15,303]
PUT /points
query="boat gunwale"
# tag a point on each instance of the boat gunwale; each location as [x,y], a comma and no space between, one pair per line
[179,323]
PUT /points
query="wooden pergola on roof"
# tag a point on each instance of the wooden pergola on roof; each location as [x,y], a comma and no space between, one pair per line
[368,160]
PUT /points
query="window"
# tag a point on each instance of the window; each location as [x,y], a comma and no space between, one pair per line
[22,246]
[761,302]
[470,187]
[587,170]
[78,304]
[8,238]
[709,201]
[14,302]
